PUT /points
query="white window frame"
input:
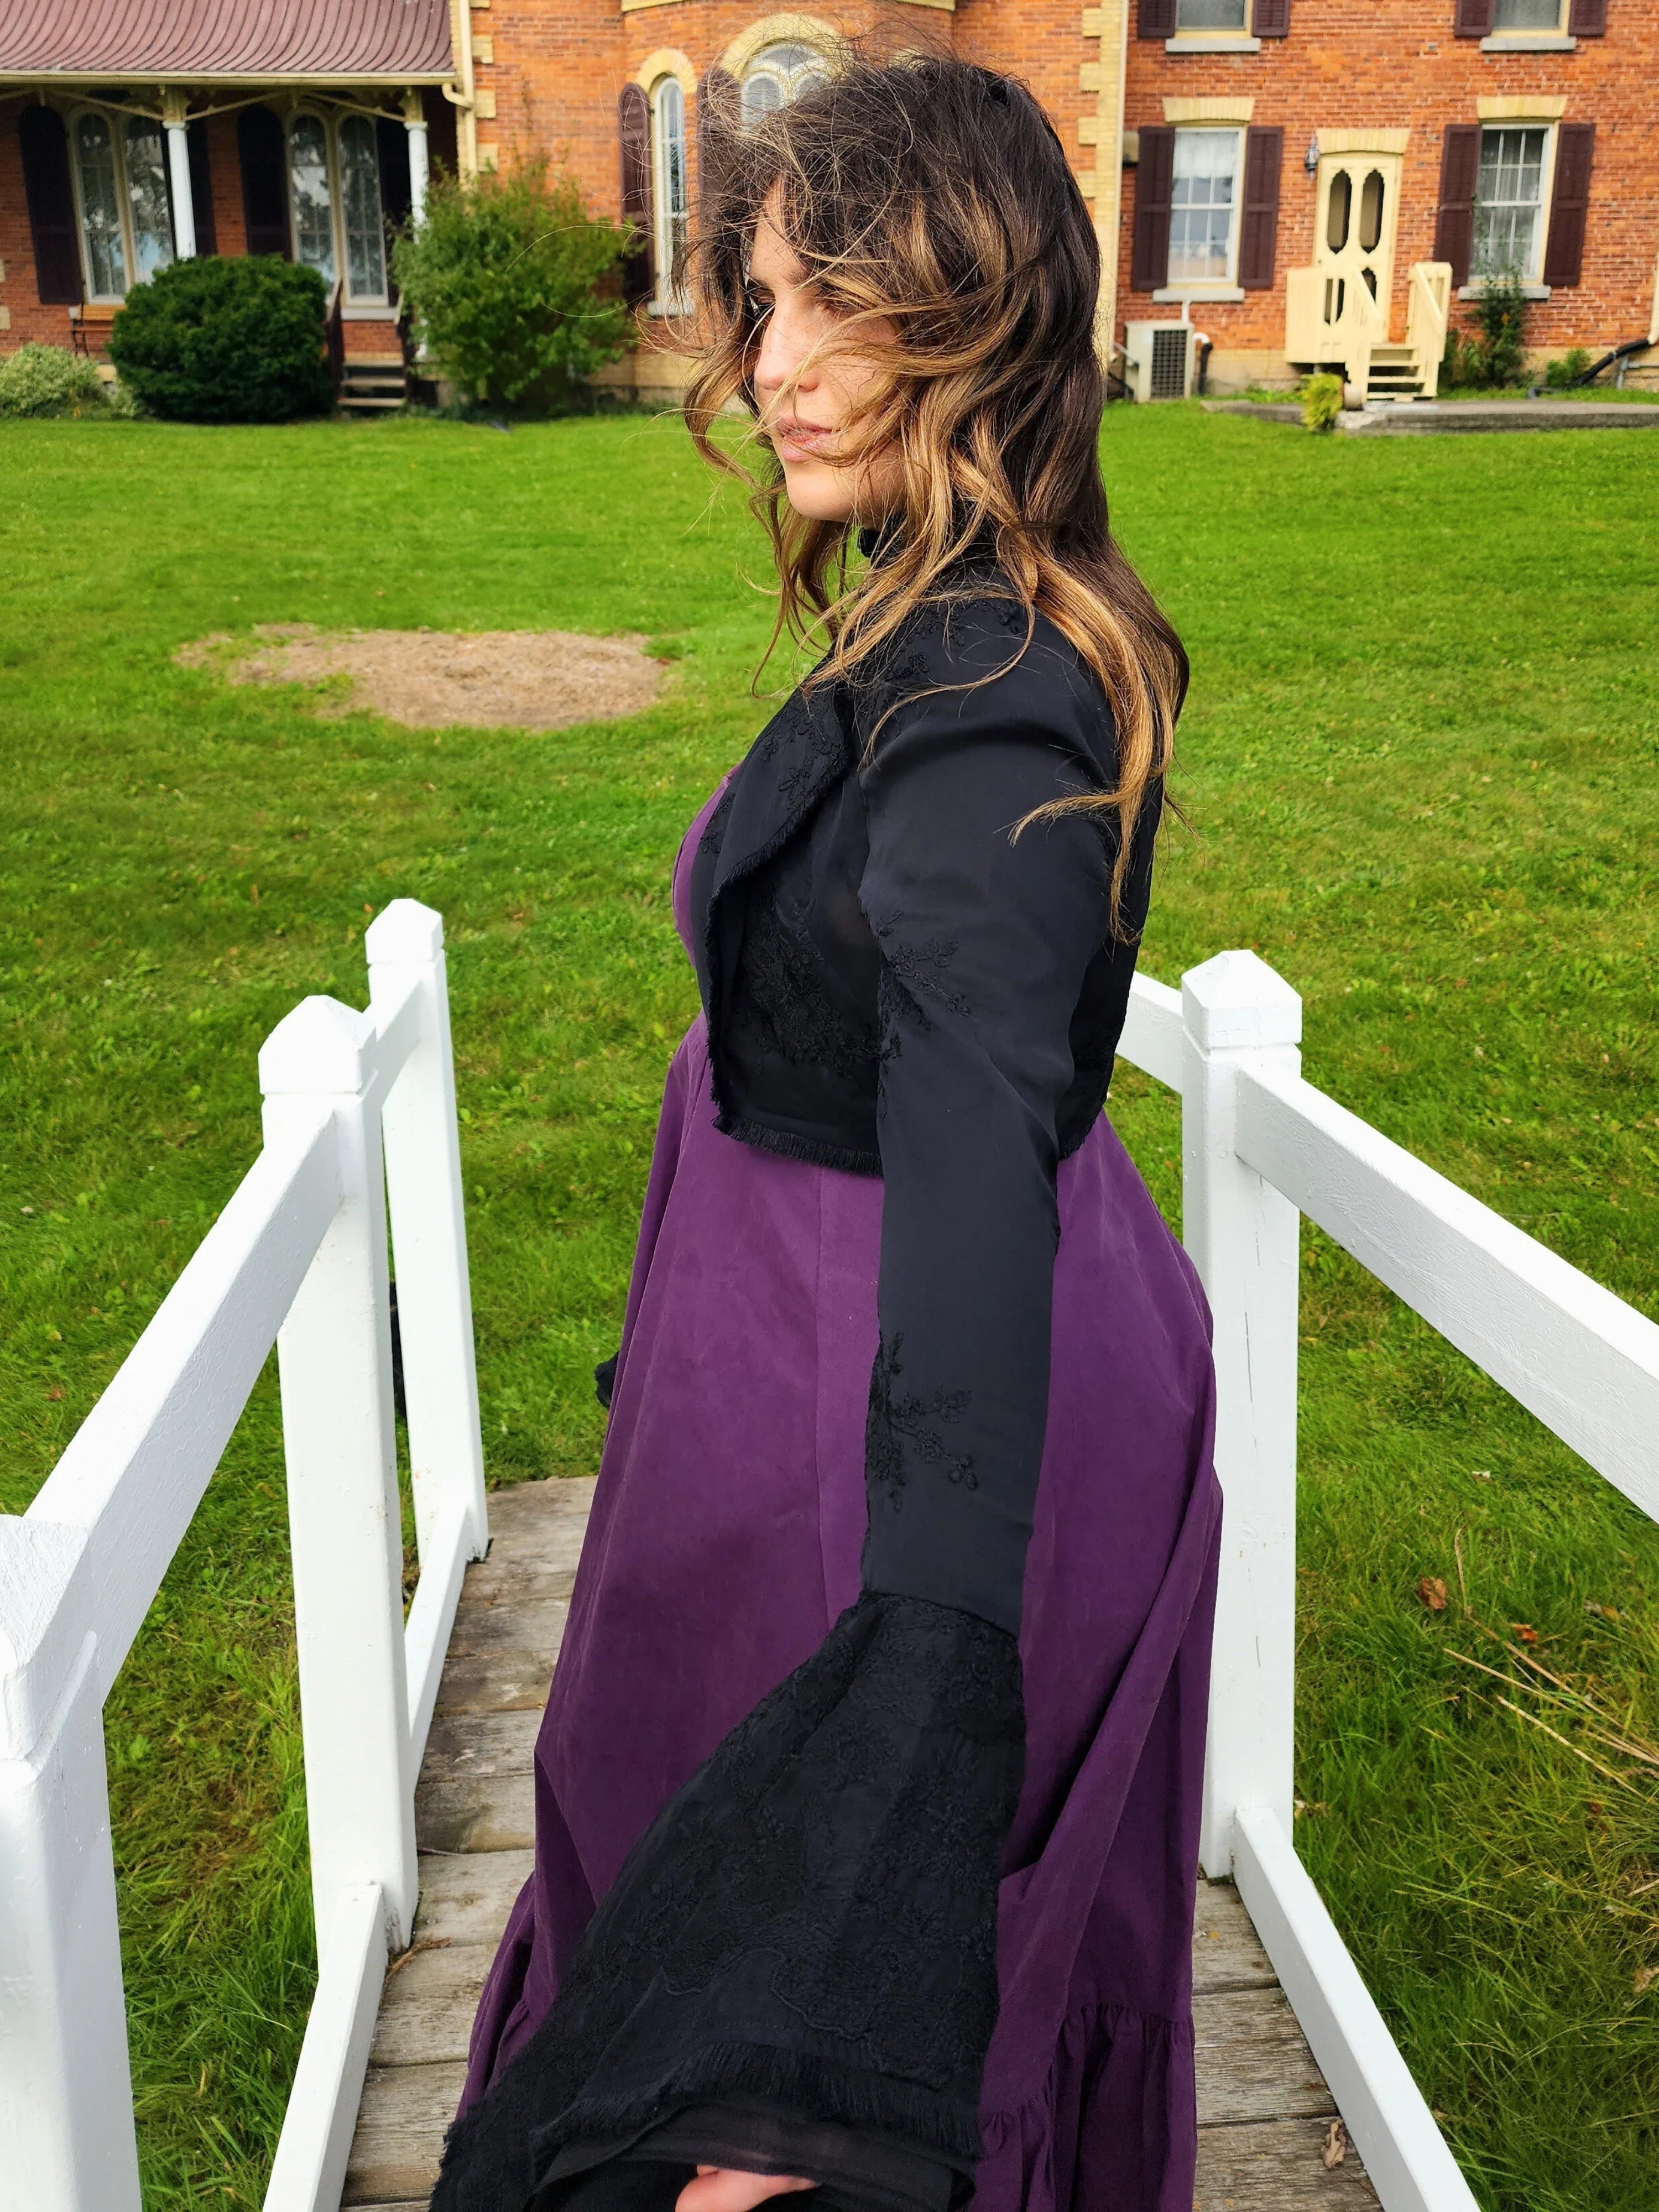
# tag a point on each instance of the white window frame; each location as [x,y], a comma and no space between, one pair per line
[1200,287]
[1503,33]
[670,225]
[331,119]
[1239,30]
[791,79]
[117,119]
[1532,277]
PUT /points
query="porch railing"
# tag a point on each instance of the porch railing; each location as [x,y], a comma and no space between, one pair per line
[1261,1148]
[359,1117]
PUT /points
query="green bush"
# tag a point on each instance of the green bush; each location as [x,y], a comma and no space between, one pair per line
[1500,315]
[233,341]
[45,380]
[1570,366]
[1461,364]
[503,278]
[1322,401]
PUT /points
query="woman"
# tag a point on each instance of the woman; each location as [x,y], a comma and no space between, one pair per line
[866,1795]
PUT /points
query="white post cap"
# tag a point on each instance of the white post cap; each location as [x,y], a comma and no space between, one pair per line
[1236,1002]
[320,1047]
[405,930]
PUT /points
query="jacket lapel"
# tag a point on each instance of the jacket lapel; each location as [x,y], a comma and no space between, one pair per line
[800,754]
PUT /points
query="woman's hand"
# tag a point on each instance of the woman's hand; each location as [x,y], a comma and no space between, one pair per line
[718,2189]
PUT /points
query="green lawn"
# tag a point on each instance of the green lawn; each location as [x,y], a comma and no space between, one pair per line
[1420,766]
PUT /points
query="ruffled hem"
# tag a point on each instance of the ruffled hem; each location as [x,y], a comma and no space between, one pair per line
[1114,2122]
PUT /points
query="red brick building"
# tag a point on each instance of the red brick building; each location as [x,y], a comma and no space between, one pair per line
[1303,181]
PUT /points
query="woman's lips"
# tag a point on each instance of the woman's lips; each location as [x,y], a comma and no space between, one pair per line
[796,440]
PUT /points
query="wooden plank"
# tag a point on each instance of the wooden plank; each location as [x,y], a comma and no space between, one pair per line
[400,2132]
[467,1815]
[482,1629]
[1227,1953]
[1253,2064]
[1277,2165]
[426,2012]
[482,1744]
[466,1898]
[497,1681]
[550,1518]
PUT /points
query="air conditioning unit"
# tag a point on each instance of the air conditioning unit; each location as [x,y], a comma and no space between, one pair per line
[1161,360]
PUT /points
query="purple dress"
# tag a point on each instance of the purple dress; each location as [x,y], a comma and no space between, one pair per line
[725,1542]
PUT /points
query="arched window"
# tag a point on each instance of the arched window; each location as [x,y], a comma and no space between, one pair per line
[778,75]
[146,198]
[669,199]
[360,207]
[100,207]
[310,194]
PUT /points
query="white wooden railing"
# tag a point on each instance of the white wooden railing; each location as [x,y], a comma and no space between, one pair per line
[1260,1147]
[359,1114]
[299,1257]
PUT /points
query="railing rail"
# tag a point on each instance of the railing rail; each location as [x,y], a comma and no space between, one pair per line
[1261,1146]
[359,1114]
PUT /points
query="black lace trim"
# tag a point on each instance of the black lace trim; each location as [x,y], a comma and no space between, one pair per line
[812,1918]
[902,1432]
[781,1001]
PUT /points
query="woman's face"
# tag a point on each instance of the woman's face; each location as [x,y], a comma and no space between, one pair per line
[811,378]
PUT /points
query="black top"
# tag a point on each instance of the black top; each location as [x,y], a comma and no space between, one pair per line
[795,1970]
[897,984]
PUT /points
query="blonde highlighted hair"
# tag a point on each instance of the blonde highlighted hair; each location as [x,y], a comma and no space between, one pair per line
[933,207]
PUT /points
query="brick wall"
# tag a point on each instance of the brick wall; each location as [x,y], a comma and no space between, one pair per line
[1398,66]
[26,321]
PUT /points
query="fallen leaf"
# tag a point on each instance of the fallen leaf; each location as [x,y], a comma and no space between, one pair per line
[1336,2146]
[1433,1591]
[1642,1978]
[1525,1631]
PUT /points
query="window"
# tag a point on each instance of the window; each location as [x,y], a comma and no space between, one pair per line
[1509,201]
[147,198]
[1525,15]
[778,75]
[362,217]
[312,200]
[101,234]
[1211,16]
[1204,208]
[669,201]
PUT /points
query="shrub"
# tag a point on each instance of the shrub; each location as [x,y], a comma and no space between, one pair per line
[235,340]
[1570,366]
[45,380]
[1460,365]
[503,278]
[1500,314]
[1322,401]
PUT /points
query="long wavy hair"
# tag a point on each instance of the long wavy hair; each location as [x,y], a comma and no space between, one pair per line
[935,210]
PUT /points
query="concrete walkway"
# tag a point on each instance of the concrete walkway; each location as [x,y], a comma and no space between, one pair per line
[1265,2115]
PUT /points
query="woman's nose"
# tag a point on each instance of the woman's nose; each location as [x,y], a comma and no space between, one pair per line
[783,355]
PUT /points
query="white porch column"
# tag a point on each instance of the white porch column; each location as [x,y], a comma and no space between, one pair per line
[173,107]
[415,124]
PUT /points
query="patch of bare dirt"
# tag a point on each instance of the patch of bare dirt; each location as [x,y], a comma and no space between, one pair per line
[428,679]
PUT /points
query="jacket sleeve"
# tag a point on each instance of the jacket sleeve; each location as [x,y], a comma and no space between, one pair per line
[985,937]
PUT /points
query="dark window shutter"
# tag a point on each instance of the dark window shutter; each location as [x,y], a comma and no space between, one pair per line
[263,155]
[1264,157]
[1270,19]
[634,141]
[1154,190]
[201,186]
[1564,251]
[392,153]
[50,196]
[1588,19]
[1474,20]
[1454,229]
[1157,20]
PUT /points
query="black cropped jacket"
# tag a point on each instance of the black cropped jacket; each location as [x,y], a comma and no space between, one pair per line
[796,1971]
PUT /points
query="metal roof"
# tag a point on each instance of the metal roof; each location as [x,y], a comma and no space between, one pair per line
[211,41]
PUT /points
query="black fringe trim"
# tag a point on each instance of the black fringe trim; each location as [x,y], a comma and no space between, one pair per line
[843,2095]
[792,1147]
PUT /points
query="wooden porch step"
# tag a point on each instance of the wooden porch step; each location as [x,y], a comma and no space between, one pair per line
[1264,2112]
[371,380]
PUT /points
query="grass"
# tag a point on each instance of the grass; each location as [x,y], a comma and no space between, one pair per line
[1420,765]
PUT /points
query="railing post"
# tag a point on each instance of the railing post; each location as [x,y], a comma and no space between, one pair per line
[66,2132]
[429,1234]
[1242,1235]
[334,1355]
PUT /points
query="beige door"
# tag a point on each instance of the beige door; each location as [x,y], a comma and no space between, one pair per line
[1353,243]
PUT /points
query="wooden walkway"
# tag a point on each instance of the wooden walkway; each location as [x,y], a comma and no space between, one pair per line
[1265,2115]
